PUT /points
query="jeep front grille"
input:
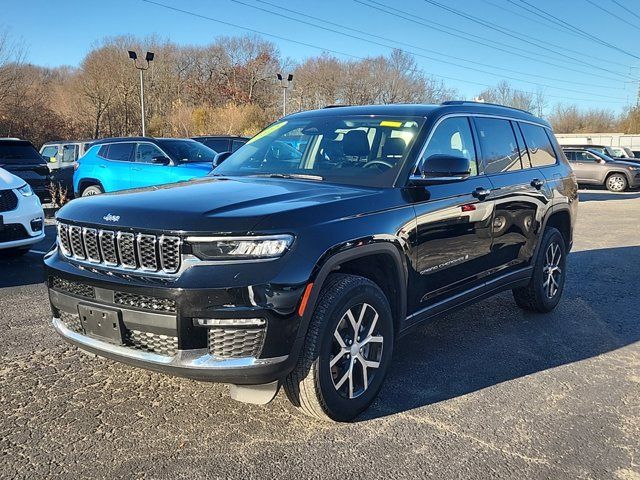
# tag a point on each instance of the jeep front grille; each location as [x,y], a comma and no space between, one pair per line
[236,342]
[119,249]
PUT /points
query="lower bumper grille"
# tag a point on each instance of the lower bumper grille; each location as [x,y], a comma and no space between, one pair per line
[12,232]
[236,342]
[74,288]
[144,302]
[146,341]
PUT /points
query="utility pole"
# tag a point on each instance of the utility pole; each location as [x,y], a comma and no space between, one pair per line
[148,58]
[284,83]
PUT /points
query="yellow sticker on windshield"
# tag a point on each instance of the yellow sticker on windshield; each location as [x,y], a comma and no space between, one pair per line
[267,131]
[390,123]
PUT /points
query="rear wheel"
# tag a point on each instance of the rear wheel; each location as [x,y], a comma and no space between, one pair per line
[616,182]
[92,190]
[347,350]
[547,283]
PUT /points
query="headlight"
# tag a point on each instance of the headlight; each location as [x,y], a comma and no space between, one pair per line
[240,248]
[25,190]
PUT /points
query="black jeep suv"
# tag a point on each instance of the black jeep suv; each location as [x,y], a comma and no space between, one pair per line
[301,267]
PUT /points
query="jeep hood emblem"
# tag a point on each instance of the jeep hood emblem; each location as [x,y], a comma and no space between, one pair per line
[109,217]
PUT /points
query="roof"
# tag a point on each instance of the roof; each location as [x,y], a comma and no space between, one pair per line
[53,142]
[221,137]
[423,110]
[136,139]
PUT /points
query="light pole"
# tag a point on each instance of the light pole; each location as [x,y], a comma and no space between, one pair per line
[148,58]
[284,83]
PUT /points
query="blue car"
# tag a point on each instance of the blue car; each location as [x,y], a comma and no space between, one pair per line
[133,162]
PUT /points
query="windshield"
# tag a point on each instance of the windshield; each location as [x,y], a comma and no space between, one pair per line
[187,151]
[23,153]
[358,150]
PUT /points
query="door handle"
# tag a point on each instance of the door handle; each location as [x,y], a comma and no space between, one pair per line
[481,193]
[136,169]
[537,183]
[102,166]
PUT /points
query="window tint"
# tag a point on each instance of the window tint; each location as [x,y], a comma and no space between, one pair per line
[146,152]
[498,145]
[50,151]
[104,151]
[571,156]
[522,148]
[219,145]
[122,152]
[19,152]
[69,153]
[453,137]
[538,144]
[236,144]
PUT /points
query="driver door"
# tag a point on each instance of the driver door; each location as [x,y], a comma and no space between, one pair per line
[453,234]
[145,173]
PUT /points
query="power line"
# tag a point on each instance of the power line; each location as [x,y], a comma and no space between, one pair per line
[336,52]
[448,30]
[568,26]
[614,15]
[512,33]
[626,9]
[324,21]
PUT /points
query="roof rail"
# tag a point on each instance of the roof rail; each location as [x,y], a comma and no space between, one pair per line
[336,105]
[465,102]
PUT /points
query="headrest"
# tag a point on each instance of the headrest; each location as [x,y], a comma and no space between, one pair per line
[356,144]
[393,147]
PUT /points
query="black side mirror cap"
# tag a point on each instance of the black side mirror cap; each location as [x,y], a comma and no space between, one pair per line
[439,168]
[220,157]
[161,160]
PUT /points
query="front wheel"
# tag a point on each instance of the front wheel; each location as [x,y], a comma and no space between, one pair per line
[347,350]
[547,282]
[92,190]
[617,182]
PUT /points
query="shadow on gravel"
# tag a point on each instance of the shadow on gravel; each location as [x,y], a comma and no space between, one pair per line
[495,341]
[26,269]
[604,195]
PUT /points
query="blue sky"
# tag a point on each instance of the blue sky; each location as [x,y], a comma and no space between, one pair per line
[62,32]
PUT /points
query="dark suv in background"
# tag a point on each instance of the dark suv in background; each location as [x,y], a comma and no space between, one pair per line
[595,168]
[22,159]
[302,270]
[222,143]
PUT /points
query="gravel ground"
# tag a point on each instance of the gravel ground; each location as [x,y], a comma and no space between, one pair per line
[487,392]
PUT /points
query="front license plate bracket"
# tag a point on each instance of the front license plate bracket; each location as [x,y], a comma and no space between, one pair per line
[102,323]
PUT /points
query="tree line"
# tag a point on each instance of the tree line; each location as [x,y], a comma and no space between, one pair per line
[228,87]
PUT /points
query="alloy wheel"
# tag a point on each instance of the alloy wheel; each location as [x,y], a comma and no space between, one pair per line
[616,183]
[356,351]
[552,273]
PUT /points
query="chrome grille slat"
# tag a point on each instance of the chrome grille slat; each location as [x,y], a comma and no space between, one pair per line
[90,236]
[125,250]
[77,245]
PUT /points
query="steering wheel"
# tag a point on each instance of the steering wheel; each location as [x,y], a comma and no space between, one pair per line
[378,164]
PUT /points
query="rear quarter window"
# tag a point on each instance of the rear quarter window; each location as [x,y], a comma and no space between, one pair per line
[539,146]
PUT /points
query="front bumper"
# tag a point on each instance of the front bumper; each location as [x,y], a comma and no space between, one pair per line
[20,224]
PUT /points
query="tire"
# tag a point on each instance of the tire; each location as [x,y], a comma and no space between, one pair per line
[328,392]
[616,182]
[92,190]
[545,288]
[14,252]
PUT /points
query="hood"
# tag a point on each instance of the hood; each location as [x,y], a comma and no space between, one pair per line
[9,180]
[625,163]
[206,205]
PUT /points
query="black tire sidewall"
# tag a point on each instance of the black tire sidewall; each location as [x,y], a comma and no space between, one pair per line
[551,236]
[340,408]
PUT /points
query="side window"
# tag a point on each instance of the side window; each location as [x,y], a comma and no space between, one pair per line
[498,145]
[571,156]
[146,152]
[49,152]
[522,148]
[538,144]
[121,152]
[69,153]
[452,137]
[236,144]
[104,151]
[219,145]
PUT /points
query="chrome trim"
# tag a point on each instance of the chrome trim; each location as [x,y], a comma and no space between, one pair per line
[203,239]
[86,230]
[131,236]
[62,230]
[71,229]
[194,360]
[161,241]
[101,234]
[139,238]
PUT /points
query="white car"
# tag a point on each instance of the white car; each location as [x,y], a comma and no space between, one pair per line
[21,215]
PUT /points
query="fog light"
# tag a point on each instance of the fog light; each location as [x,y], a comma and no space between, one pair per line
[231,322]
[36,224]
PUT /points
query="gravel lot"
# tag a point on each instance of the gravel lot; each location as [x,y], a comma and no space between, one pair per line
[487,392]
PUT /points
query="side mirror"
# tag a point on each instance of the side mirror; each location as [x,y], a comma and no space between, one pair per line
[438,169]
[219,158]
[161,160]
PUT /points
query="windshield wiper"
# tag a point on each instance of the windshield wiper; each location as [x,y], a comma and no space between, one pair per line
[297,176]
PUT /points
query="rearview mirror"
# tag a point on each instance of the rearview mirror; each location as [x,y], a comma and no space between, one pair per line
[440,168]
[220,157]
[161,160]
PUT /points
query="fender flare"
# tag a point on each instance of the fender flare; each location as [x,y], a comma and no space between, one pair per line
[93,181]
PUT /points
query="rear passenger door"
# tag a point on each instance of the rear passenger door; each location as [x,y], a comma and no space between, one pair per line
[518,191]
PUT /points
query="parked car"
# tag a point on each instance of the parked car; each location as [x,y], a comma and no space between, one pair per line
[611,152]
[222,143]
[114,164]
[21,215]
[594,168]
[62,157]
[302,274]
[22,159]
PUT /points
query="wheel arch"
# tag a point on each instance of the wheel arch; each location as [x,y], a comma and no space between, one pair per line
[87,182]
[622,172]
